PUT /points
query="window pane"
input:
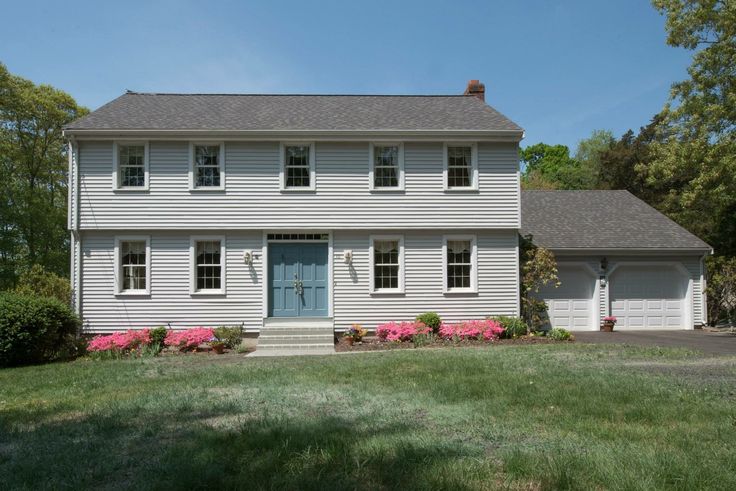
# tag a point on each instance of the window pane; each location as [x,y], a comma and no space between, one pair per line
[207,165]
[209,270]
[459,263]
[133,265]
[386,166]
[386,264]
[131,162]
[297,166]
[459,166]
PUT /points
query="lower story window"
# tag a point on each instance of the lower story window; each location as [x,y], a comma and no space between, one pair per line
[460,264]
[133,262]
[208,260]
[387,264]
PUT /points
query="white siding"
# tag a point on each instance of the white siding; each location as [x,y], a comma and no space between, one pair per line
[170,300]
[497,280]
[252,199]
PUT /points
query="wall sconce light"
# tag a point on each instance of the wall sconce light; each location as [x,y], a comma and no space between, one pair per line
[604,264]
[347,256]
[248,258]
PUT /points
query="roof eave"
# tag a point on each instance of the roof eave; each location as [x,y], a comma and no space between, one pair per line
[352,135]
[629,250]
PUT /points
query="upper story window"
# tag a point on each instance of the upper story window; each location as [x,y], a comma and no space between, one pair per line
[130,165]
[297,167]
[387,166]
[207,167]
[461,167]
[133,265]
[460,257]
[387,264]
[208,266]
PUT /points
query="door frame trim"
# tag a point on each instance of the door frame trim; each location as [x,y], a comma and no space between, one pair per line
[330,265]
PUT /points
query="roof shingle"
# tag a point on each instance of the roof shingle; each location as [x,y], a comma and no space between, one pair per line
[242,112]
[600,220]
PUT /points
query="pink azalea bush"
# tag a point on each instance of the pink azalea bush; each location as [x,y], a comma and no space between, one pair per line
[486,329]
[190,338]
[401,331]
[120,341]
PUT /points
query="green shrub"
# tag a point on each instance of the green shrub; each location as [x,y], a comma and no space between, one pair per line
[157,336]
[41,283]
[35,329]
[559,334]
[231,336]
[431,320]
[513,326]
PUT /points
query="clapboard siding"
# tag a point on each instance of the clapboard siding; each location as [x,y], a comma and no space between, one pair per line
[170,300]
[497,280]
[252,199]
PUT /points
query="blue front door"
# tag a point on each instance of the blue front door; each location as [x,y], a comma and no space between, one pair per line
[298,280]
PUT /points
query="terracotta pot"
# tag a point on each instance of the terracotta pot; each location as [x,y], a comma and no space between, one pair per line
[218,349]
[350,341]
[607,327]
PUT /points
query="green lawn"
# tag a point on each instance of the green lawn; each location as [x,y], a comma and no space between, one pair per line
[509,417]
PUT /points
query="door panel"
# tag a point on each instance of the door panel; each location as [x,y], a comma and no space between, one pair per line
[303,262]
[571,304]
[648,296]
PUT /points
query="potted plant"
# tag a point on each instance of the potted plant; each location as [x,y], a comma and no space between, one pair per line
[217,346]
[354,334]
[608,323]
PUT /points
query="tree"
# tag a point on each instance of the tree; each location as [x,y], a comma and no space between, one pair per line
[538,269]
[550,166]
[589,153]
[33,166]
[694,156]
[721,289]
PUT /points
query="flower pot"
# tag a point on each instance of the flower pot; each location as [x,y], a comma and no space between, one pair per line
[350,341]
[607,327]
[219,349]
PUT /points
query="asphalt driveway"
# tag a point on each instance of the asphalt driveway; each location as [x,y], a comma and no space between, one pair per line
[714,343]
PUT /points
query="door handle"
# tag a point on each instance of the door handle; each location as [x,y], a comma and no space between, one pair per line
[298,285]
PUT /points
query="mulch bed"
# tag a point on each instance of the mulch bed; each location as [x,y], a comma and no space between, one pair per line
[372,343]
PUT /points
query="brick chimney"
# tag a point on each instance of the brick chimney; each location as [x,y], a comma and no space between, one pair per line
[477,89]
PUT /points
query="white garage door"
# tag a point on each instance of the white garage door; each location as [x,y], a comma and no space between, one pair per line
[571,304]
[648,297]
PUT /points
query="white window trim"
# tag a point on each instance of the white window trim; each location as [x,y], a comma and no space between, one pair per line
[116,165]
[282,167]
[474,167]
[372,164]
[193,265]
[118,272]
[386,291]
[473,265]
[220,161]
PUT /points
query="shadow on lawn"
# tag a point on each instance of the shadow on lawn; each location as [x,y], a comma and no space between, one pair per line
[145,451]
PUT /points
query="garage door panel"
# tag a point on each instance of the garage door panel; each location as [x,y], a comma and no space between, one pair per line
[571,305]
[648,296]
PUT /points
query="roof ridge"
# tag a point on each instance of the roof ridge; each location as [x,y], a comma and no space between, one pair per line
[132,92]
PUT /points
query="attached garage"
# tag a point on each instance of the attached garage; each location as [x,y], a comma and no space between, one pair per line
[649,296]
[616,256]
[572,304]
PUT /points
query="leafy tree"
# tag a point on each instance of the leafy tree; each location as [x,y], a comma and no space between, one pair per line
[589,153]
[33,166]
[37,282]
[721,289]
[550,167]
[694,157]
[538,269]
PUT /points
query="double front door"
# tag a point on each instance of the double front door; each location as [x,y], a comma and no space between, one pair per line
[298,280]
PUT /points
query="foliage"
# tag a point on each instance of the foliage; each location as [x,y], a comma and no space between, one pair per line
[401,331]
[158,336]
[695,156]
[231,336]
[35,329]
[538,269]
[39,282]
[189,339]
[431,320]
[356,332]
[487,329]
[122,342]
[33,164]
[552,164]
[721,289]
[513,326]
[610,318]
[559,334]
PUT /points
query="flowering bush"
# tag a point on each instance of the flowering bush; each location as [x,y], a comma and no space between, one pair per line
[401,331]
[356,332]
[610,319]
[190,338]
[487,329]
[120,341]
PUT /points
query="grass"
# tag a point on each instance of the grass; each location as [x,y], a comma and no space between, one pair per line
[506,417]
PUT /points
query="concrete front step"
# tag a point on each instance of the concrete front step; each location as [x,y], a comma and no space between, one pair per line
[284,337]
[269,339]
[260,353]
[296,331]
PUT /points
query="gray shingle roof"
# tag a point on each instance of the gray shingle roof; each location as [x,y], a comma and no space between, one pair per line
[140,111]
[600,220]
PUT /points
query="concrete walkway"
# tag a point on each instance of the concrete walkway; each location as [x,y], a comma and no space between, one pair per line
[713,343]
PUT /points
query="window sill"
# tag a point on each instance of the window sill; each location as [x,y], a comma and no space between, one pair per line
[462,190]
[388,293]
[298,190]
[208,293]
[133,294]
[461,291]
[131,190]
[388,190]
[207,190]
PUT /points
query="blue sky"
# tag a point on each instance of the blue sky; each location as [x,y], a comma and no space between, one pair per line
[558,68]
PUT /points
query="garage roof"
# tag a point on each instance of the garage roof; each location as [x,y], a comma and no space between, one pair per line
[602,220]
[255,112]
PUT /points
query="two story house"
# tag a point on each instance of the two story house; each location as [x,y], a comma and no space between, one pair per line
[207,209]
